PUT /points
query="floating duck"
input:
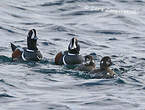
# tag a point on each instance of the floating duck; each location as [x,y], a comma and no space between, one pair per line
[104,71]
[71,56]
[31,52]
[88,65]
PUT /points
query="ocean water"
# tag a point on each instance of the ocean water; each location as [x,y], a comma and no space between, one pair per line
[114,28]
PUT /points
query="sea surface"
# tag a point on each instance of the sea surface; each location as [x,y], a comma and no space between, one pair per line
[114,28]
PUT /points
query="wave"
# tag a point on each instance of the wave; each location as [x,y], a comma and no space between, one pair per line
[4,95]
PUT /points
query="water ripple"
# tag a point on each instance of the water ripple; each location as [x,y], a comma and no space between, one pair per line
[97,82]
[116,32]
[58,3]
[8,30]
[3,81]
[4,95]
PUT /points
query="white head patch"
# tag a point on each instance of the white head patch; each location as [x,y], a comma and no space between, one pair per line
[73,45]
[102,62]
[107,62]
[87,61]
[33,34]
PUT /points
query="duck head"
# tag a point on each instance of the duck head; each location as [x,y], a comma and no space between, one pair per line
[89,61]
[74,47]
[32,40]
[105,62]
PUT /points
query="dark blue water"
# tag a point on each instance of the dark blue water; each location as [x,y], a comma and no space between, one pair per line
[101,29]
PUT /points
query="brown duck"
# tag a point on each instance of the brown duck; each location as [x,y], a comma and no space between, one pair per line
[88,65]
[104,71]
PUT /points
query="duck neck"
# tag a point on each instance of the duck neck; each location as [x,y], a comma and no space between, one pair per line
[32,48]
[74,51]
[90,64]
[32,44]
[105,68]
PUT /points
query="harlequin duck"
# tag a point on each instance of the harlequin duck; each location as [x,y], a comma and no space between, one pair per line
[71,56]
[88,65]
[104,71]
[31,53]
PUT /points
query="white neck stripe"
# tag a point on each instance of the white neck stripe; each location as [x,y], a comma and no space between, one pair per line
[30,50]
[23,57]
[71,54]
[64,60]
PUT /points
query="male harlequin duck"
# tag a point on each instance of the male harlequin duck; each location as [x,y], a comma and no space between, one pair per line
[104,71]
[31,53]
[88,65]
[71,56]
